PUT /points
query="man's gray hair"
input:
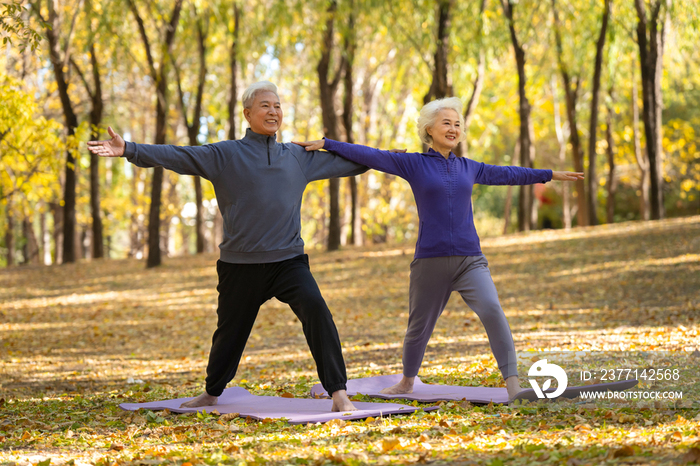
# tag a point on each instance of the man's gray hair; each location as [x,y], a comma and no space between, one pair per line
[429,113]
[260,86]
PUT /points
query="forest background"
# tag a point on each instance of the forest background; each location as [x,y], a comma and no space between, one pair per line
[609,87]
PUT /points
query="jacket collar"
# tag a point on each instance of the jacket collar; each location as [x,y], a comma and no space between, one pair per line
[257,137]
[434,153]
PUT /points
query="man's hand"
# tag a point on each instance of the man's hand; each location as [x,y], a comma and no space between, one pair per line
[311,145]
[112,148]
[566,176]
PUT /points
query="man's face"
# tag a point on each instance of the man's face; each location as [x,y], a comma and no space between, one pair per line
[265,114]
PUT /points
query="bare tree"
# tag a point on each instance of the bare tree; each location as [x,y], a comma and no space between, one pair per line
[233,66]
[327,90]
[30,249]
[651,34]
[639,154]
[9,233]
[610,151]
[94,92]
[560,131]
[571,91]
[194,125]
[440,85]
[477,85]
[159,76]
[527,148]
[60,57]
[349,48]
[593,122]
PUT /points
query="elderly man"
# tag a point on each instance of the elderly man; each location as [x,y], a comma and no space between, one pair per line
[259,185]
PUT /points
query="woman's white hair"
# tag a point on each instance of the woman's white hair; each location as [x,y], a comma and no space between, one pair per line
[429,113]
[260,86]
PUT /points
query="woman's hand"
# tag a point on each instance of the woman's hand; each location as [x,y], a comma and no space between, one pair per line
[113,148]
[311,145]
[566,176]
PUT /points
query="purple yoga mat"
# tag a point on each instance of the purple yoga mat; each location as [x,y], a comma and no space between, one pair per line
[430,393]
[295,410]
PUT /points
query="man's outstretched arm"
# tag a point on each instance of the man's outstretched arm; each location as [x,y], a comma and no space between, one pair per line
[321,165]
[207,161]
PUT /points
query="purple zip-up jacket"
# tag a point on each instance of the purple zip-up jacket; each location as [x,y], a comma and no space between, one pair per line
[443,192]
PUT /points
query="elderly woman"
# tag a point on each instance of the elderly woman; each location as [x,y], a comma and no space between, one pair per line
[448,256]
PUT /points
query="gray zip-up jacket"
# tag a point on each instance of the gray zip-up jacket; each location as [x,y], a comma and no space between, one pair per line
[259,185]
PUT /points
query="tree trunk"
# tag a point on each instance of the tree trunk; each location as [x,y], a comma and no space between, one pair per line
[57,214]
[356,217]
[160,78]
[561,138]
[593,127]
[10,235]
[233,64]
[440,86]
[650,39]
[327,91]
[477,87]
[95,121]
[509,193]
[194,126]
[199,221]
[30,250]
[610,151]
[71,122]
[44,257]
[571,92]
[527,148]
[349,46]
[640,155]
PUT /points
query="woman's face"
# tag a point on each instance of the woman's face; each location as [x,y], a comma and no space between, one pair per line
[446,131]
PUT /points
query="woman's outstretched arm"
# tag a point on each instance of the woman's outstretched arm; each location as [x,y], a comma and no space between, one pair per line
[514,175]
[389,161]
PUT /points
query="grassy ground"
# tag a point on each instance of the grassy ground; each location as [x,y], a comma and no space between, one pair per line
[77,340]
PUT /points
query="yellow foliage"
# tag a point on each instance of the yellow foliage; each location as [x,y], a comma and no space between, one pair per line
[30,147]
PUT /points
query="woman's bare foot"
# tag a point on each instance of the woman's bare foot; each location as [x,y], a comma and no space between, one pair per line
[513,386]
[404,386]
[341,402]
[204,399]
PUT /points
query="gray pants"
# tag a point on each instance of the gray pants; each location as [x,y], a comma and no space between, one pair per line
[432,281]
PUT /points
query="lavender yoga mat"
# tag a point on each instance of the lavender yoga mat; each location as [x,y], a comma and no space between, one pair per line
[295,410]
[430,393]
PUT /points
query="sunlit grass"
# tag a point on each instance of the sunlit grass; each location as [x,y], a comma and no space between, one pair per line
[71,337]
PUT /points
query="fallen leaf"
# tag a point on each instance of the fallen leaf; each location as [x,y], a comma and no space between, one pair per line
[229,417]
[390,444]
[624,451]
[691,456]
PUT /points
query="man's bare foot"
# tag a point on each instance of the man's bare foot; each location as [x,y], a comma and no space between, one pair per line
[513,387]
[341,402]
[204,399]
[405,386]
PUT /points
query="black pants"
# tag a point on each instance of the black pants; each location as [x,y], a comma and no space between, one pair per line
[243,288]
